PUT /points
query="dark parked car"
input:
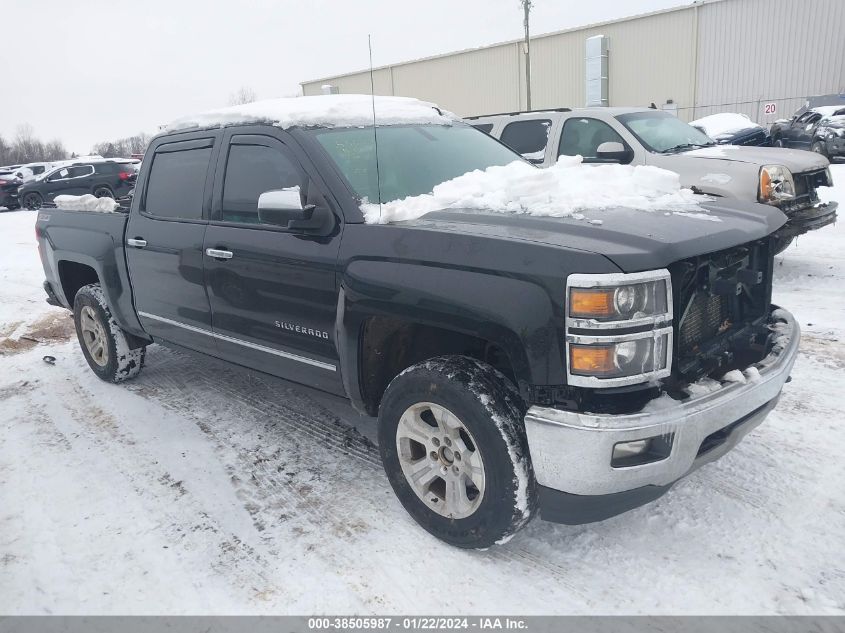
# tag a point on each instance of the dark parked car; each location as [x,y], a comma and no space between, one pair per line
[517,363]
[821,130]
[106,178]
[9,184]
[729,128]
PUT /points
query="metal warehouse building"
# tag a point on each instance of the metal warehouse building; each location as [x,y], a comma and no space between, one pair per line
[710,56]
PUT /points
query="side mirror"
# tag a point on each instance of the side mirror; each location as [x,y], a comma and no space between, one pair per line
[283,207]
[613,151]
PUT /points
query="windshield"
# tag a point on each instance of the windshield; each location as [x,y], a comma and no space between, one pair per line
[413,159]
[661,132]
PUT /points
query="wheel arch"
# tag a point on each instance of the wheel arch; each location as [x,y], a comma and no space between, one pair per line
[382,330]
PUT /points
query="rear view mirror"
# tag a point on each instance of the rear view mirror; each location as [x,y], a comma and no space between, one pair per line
[613,151]
[283,207]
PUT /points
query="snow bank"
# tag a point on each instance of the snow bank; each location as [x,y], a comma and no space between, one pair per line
[564,190]
[86,203]
[326,110]
[724,123]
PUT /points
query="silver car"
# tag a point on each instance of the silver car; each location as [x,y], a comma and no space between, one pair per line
[785,178]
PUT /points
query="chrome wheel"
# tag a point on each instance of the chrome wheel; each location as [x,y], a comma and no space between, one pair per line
[440,460]
[94,336]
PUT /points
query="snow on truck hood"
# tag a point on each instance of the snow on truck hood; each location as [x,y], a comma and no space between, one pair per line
[795,160]
[568,189]
[322,110]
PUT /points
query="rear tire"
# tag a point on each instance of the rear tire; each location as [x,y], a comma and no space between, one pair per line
[108,350]
[32,201]
[453,445]
[103,192]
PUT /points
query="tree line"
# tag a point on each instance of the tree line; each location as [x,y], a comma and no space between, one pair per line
[25,147]
[123,147]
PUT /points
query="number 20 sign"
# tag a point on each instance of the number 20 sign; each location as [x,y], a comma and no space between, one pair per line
[770,108]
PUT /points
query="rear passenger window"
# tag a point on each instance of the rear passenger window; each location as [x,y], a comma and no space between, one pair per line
[78,171]
[529,138]
[250,171]
[177,184]
[484,127]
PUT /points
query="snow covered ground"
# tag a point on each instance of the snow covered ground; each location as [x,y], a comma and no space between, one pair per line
[203,488]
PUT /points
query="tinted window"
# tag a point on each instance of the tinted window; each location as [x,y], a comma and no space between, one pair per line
[39,169]
[58,175]
[250,171]
[77,171]
[484,127]
[529,138]
[583,137]
[177,183]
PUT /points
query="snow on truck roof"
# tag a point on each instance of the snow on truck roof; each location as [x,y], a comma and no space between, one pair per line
[322,110]
[724,123]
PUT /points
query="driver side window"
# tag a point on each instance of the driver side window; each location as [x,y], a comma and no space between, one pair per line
[583,136]
[250,171]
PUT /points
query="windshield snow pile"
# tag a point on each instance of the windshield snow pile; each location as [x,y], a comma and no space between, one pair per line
[86,203]
[565,190]
[724,123]
[322,110]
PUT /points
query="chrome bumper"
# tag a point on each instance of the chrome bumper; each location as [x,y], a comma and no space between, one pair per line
[572,451]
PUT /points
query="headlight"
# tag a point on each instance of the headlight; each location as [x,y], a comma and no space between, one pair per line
[622,359]
[776,184]
[600,306]
[619,303]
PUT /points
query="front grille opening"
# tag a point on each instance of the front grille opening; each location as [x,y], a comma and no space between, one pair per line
[707,316]
[721,303]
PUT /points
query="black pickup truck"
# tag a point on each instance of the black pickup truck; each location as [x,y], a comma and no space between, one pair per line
[518,365]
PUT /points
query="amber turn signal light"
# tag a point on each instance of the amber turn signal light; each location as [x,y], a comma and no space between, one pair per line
[591,360]
[591,302]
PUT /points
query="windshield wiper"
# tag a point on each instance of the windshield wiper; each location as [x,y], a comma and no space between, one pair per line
[683,146]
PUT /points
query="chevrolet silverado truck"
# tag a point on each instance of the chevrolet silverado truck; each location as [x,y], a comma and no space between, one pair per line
[518,365]
[784,178]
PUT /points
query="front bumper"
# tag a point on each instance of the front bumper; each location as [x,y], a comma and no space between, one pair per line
[571,452]
[809,219]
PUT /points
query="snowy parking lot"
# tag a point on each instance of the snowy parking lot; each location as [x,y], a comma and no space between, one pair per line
[203,488]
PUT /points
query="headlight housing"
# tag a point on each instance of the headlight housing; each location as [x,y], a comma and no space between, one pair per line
[598,308]
[776,184]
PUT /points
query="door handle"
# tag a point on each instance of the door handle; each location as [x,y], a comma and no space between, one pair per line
[219,254]
[137,242]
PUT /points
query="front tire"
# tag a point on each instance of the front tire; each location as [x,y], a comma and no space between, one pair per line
[819,148]
[778,142]
[107,349]
[453,445]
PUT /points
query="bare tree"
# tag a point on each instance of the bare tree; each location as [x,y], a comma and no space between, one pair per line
[242,95]
[123,147]
[28,148]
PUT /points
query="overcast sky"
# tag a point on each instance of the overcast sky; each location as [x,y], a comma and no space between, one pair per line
[85,71]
